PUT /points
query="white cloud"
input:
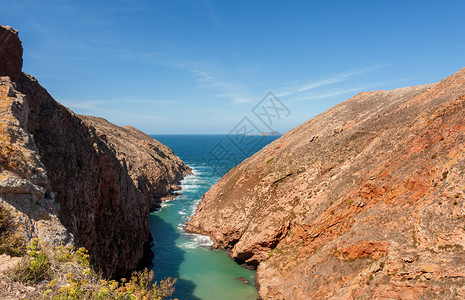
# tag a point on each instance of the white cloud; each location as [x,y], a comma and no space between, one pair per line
[208,76]
[312,96]
[338,92]
[99,106]
[325,82]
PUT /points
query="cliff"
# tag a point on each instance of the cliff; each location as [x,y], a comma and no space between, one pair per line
[77,179]
[366,200]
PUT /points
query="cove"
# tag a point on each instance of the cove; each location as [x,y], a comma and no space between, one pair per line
[202,273]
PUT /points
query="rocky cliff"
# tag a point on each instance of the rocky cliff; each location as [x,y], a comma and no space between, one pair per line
[363,201]
[77,179]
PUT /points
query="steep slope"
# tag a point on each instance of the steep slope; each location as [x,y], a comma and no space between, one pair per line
[76,178]
[11,53]
[365,200]
[152,166]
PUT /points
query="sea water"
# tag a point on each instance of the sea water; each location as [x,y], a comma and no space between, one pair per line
[202,273]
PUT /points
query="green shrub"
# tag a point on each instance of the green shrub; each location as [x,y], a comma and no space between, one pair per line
[444,174]
[71,277]
[34,268]
[138,287]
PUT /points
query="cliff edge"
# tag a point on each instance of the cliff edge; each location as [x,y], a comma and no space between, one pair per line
[366,200]
[76,179]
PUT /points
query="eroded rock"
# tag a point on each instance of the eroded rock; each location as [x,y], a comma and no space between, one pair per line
[76,179]
[373,207]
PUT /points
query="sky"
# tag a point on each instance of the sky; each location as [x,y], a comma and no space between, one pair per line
[196,67]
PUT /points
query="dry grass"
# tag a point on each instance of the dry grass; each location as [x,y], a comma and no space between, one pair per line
[11,242]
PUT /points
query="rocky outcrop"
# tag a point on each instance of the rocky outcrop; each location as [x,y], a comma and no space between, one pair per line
[24,185]
[11,53]
[68,178]
[152,166]
[364,201]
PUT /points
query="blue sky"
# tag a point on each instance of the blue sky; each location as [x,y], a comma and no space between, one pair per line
[201,66]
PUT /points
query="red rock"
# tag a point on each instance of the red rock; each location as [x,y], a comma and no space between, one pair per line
[370,191]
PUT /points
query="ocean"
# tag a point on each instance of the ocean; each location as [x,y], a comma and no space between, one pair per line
[202,273]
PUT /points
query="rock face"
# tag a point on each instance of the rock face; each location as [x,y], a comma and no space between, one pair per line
[70,178]
[152,166]
[11,53]
[364,201]
[24,184]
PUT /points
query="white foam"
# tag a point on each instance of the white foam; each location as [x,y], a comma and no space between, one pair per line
[187,187]
[192,179]
[197,170]
[180,227]
[197,240]
[191,183]
[166,204]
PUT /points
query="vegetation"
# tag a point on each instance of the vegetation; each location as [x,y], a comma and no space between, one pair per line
[271,252]
[69,276]
[11,243]
[444,174]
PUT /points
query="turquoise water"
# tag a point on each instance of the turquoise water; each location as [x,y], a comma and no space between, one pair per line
[203,273]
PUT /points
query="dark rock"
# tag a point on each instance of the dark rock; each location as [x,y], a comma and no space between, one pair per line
[243,280]
[11,53]
[101,180]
